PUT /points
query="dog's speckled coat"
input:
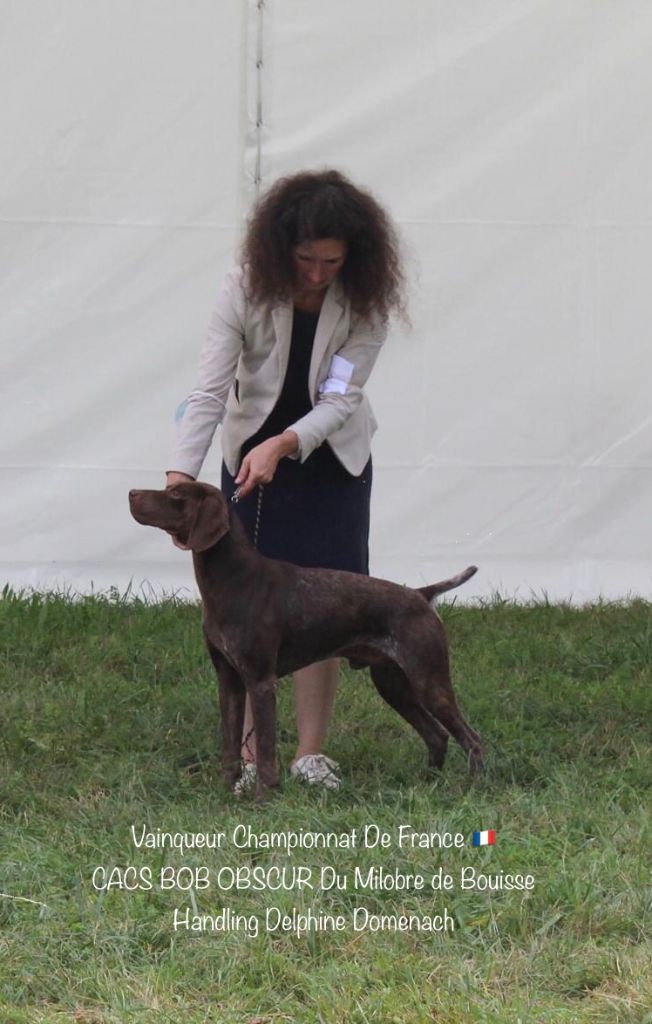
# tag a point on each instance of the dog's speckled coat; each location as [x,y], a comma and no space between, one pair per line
[263,619]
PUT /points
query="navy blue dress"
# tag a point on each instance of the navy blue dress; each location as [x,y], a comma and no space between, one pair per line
[313,513]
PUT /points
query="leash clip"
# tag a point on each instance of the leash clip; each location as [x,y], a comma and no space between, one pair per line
[235,497]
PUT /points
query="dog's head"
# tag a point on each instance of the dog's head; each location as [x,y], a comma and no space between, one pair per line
[195,514]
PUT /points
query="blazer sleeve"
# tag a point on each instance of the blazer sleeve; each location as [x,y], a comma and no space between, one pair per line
[200,413]
[341,392]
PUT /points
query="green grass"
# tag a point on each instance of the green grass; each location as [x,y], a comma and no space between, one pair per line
[110,719]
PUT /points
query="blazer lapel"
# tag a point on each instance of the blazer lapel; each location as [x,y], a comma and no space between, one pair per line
[282,320]
[332,308]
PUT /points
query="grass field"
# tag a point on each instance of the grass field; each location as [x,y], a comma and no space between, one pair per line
[110,720]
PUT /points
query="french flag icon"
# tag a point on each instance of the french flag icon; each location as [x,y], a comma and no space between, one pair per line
[487,838]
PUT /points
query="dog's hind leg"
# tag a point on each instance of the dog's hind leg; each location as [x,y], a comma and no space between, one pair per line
[437,695]
[394,687]
[232,707]
[424,659]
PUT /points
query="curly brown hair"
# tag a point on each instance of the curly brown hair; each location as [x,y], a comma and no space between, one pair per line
[324,204]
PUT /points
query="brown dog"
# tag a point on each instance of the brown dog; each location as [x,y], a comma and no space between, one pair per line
[263,619]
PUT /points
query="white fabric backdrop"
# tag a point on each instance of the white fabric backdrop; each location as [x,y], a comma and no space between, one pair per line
[511,141]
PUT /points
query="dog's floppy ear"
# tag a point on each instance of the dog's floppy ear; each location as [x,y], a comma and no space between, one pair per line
[211,522]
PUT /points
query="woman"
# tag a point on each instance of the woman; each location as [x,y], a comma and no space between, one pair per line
[294,337]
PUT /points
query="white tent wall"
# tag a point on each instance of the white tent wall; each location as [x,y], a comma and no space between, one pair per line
[511,141]
[121,200]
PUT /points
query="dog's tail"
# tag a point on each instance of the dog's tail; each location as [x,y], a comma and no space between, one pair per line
[435,589]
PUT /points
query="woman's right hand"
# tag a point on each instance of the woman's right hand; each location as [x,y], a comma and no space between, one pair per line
[172,477]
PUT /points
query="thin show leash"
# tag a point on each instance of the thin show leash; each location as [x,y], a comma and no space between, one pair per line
[235,498]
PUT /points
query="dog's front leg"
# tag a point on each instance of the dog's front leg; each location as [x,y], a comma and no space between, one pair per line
[262,696]
[232,707]
[232,694]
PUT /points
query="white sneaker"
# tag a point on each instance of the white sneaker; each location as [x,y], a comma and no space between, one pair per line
[317,770]
[247,780]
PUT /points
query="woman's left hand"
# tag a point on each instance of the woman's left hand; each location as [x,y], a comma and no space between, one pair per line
[259,465]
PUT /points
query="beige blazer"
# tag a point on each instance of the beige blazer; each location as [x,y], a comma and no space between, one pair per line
[251,344]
